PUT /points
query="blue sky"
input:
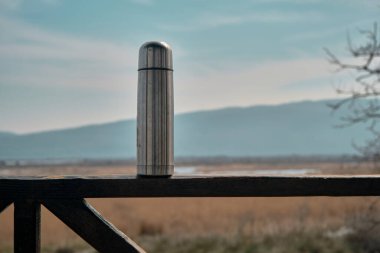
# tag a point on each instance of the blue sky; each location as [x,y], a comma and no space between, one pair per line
[73,62]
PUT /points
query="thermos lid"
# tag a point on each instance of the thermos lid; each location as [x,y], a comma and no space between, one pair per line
[155,55]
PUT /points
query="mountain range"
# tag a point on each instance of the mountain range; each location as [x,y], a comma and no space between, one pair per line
[299,128]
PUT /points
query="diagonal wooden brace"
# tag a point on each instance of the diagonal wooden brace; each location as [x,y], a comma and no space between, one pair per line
[3,205]
[84,220]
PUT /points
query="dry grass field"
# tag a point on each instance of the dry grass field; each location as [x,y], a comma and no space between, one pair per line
[147,219]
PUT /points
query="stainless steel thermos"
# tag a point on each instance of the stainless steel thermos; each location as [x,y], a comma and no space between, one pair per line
[155,110]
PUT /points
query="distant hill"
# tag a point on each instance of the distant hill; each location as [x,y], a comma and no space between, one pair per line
[302,128]
[6,134]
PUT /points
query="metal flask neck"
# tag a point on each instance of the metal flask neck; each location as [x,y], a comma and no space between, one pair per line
[155,111]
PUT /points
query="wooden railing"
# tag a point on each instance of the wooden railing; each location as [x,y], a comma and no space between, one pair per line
[65,198]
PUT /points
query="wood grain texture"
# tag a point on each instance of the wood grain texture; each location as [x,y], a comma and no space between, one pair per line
[84,220]
[27,226]
[205,186]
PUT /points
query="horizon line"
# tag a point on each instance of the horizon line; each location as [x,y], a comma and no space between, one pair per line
[111,121]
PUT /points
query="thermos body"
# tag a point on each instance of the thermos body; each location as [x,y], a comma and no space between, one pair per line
[155,111]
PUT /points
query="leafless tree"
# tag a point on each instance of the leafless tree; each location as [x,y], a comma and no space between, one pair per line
[363,98]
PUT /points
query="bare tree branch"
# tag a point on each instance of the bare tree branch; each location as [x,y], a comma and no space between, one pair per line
[363,98]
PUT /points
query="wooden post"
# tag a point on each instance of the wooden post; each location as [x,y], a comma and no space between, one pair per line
[27,223]
[155,110]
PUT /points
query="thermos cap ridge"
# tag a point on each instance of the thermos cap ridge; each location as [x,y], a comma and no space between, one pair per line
[155,55]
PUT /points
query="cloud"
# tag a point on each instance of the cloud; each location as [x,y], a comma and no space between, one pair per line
[287,1]
[33,56]
[304,2]
[10,4]
[142,2]
[212,20]
[13,5]
[338,31]
[267,83]
[50,79]
[39,66]
[51,2]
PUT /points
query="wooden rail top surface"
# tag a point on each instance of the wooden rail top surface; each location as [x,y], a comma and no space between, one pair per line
[78,187]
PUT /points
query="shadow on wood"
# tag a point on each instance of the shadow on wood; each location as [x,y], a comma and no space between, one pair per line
[4,204]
